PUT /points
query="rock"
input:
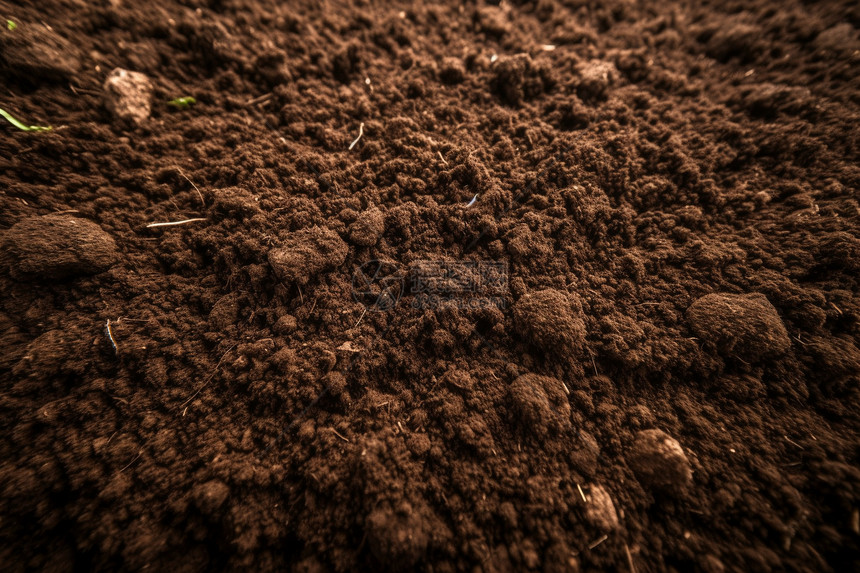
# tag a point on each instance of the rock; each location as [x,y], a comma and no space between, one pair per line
[210,496]
[128,95]
[550,320]
[397,539]
[35,51]
[57,247]
[742,326]
[368,228]
[599,510]
[659,462]
[307,253]
[540,404]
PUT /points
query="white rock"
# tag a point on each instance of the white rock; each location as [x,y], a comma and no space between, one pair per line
[128,95]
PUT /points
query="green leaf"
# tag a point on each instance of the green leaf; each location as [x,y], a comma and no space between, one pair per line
[10,25]
[182,102]
[20,125]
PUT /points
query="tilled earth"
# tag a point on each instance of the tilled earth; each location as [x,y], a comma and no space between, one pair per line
[637,224]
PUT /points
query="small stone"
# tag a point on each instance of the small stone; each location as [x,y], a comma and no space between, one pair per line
[540,404]
[36,51]
[743,326]
[599,510]
[368,228]
[128,95]
[550,320]
[57,247]
[659,462]
[307,253]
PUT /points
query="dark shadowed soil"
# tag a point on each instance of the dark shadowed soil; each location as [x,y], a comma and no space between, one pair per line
[667,379]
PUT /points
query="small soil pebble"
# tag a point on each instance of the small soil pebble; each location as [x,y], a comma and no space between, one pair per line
[31,51]
[518,78]
[452,71]
[56,247]
[286,324]
[599,510]
[841,38]
[735,38]
[551,320]
[659,462]
[128,96]
[368,228]
[540,404]
[595,78]
[743,326]
[398,539]
[210,496]
[306,253]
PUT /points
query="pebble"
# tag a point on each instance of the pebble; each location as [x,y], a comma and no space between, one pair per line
[659,462]
[742,326]
[57,247]
[128,96]
[306,253]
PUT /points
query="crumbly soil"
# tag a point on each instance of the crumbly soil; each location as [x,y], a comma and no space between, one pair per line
[673,185]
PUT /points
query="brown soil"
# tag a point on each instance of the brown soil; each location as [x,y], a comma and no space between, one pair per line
[673,188]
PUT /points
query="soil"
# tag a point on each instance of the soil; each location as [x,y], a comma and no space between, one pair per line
[668,383]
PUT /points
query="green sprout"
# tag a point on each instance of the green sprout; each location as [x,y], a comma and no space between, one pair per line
[10,25]
[182,102]
[20,125]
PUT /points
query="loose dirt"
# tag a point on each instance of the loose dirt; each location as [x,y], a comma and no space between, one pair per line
[667,379]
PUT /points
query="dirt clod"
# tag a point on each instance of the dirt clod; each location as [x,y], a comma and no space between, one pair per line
[368,228]
[57,247]
[35,52]
[551,320]
[540,404]
[306,253]
[745,326]
[599,510]
[659,462]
